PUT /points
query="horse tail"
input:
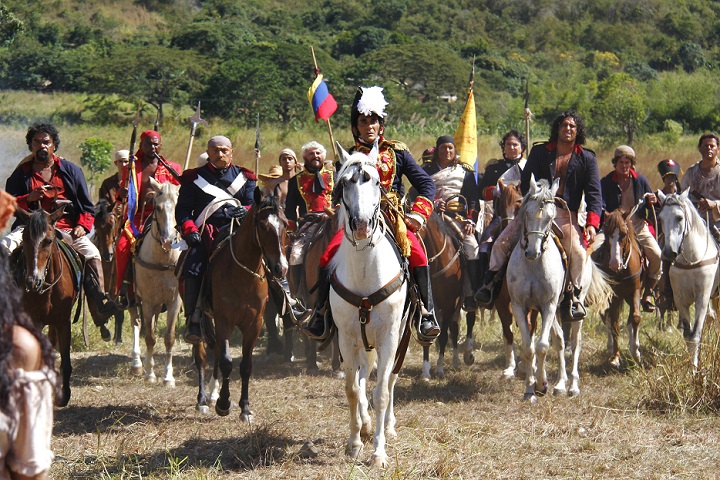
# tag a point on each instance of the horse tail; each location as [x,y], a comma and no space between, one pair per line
[600,291]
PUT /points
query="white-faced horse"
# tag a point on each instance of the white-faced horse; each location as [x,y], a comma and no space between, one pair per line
[156,284]
[367,267]
[694,273]
[535,280]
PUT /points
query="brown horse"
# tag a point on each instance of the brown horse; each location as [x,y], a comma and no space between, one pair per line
[50,290]
[107,228]
[239,290]
[506,206]
[620,257]
[444,260]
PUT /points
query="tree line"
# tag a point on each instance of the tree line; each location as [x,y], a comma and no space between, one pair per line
[632,67]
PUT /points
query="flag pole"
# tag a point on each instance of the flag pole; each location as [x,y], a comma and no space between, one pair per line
[527,113]
[327,120]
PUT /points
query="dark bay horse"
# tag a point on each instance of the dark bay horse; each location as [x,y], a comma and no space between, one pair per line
[444,259]
[238,275]
[49,290]
[621,258]
[107,228]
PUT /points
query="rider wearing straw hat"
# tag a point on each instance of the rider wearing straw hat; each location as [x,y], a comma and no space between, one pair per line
[367,120]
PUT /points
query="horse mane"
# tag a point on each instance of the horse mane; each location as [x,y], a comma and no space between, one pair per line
[615,219]
[102,210]
[37,224]
[356,159]
[543,193]
[271,202]
[688,207]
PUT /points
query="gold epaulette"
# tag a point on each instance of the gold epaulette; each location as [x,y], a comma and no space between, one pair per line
[397,145]
[467,167]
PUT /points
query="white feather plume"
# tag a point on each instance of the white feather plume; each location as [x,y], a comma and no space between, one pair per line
[372,101]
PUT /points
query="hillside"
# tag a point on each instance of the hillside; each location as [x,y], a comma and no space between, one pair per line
[631,67]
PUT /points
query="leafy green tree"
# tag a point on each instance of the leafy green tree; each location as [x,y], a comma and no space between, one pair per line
[10,25]
[620,107]
[96,156]
[691,56]
[156,75]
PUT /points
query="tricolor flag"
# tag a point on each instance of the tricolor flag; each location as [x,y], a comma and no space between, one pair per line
[322,103]
[132,199]
[466,134]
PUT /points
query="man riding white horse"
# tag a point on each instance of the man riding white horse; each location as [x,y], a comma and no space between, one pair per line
[210,198]
[561,157]
[367,120]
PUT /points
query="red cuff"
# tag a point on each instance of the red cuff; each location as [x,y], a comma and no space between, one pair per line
[470,215]
[22,202]
[86,220]
[189,226]
[423,206]
[487,193]
[291,226]
[593,219]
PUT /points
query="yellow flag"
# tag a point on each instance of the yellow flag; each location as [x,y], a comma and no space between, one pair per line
[466,134]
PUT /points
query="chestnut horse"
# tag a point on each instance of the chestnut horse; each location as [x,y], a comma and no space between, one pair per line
[50,290]
[107,228]
[447,285]
[239,290]
[620,257]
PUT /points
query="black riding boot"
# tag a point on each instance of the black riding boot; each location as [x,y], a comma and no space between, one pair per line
[193,329]
[485,296]
[94,289]
[316,327]
[472,270]
[428,328]
[295,312]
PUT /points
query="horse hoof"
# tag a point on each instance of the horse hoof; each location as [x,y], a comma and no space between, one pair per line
[559,391]
[223,412]
[313,371]
[543,391]
[425,377]
[468,358]
[338,374]
[136,370]
[615,362]
[169,383]
[440,374]
[63,400]
[202,409]
[353,450]
[379,461]
[508,374]
[456,362]
[150,378]
[118,343]
[247,418]
[574,392]
[530,397]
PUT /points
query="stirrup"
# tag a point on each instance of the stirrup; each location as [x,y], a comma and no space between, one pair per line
[193,333]
[304,328]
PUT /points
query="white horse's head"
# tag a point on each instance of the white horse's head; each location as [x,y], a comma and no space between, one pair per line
[165,200]
[676,217]
[537,214]
[358,191]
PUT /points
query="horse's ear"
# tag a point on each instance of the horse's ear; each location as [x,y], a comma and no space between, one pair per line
[22,214]
[257,195]
[57,213]
[155,185]
[686,193]
[533,184]
[501,184]
[661,196]
[343,155]
[555,185]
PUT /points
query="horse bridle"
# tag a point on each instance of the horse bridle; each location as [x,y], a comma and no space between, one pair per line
[545,234]
[156,223]
[375,222]
[684,233]
[258,243]
[44,283]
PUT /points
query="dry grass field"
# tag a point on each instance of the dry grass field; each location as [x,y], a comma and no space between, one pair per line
[468,425]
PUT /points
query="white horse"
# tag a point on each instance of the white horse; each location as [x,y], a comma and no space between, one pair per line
[694,273]
[535,279]
[156,284]
[364,264]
